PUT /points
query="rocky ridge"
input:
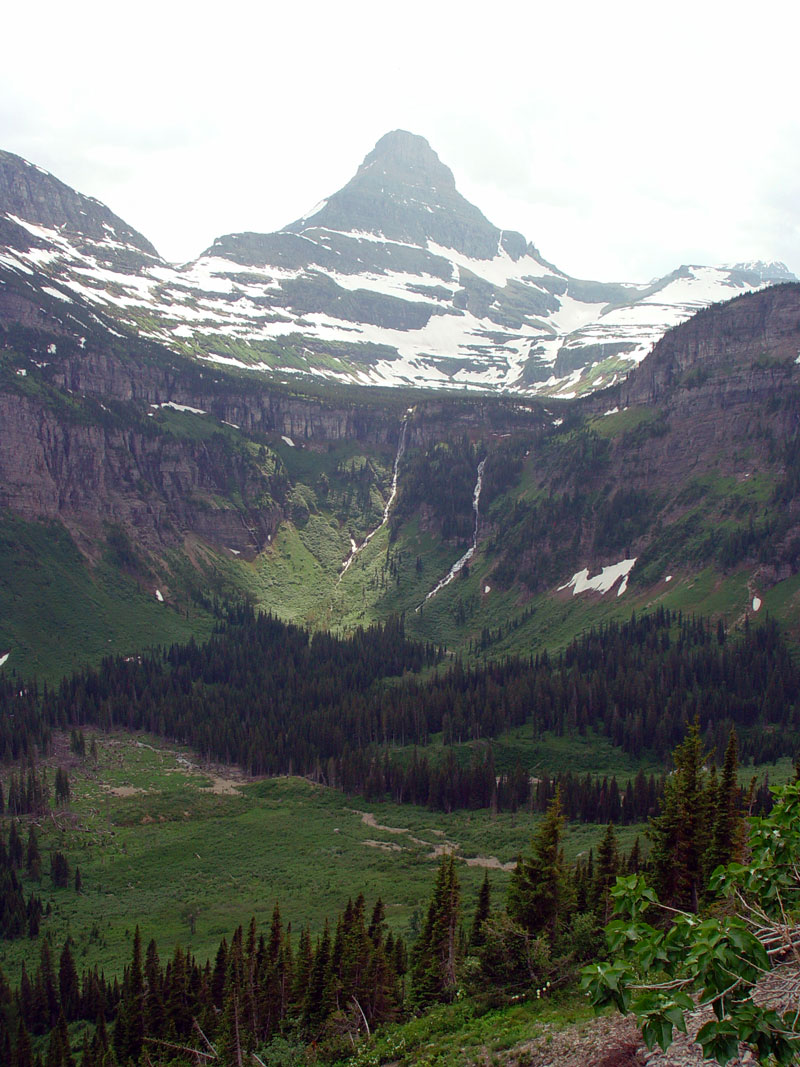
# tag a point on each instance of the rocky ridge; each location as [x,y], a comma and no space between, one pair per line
[395,279]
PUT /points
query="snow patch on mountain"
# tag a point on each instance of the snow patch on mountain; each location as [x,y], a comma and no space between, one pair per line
[406,309]
[602,582]
[499,270]
[180,407]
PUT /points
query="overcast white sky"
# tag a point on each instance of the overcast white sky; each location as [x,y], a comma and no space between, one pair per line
[623,139]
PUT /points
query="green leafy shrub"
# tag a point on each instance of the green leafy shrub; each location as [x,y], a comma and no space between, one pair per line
[661,972]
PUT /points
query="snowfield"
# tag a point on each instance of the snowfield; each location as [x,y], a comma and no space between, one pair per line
[602,582]
[528,315]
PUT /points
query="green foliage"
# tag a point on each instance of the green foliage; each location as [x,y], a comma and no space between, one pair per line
[442,479]
[680,833]
[57,613]
[436,954]
[539,891]
[59,869]
[699,824]
[658,969]
[512,960]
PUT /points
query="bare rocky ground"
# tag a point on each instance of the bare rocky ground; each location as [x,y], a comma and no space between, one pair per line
[616,1041]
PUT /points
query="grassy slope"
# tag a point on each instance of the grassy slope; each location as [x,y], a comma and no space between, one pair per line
[56,614]
[458,1035]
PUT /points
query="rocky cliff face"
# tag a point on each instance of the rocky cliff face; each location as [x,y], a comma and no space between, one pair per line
[35,196]
[725,386]
[90,476]
[749,346]
[77,446]
[690,462]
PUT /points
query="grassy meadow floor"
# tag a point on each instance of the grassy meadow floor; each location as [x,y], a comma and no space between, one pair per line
[166,844]
[190,852]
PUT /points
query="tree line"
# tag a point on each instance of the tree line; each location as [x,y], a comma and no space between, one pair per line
[448,784]
[276,700]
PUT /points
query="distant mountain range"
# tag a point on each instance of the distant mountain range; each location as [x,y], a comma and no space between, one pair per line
[393,280]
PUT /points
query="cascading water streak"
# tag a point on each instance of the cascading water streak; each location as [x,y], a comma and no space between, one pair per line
[459,565]
[354,548]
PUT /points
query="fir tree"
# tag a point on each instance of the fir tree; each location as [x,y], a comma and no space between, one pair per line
[23,1056]
[59,869]
[153,993]
[482,913]
[68,984]
[435,955]
[33,859]
[727,834]
[539,893]
[15,851]
[680,833]
[608,867]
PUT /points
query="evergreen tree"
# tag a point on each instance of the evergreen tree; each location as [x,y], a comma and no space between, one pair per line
[68,984]
[608,867]
[318,1000]
[539,893]
[66,1058]
[33,859]
[680,833]
[23,1056]
[14,847]
[59,869]
[436,953]
[727,834]
[634,864]
[153,1024]
[62,787]
[481,913]
[129,1028]
[302,970]
[219,973]
[46,991]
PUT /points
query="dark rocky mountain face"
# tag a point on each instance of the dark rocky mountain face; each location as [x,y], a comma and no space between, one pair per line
[404,193]
[729,349]
[395,280]
[221,480]
[37,197]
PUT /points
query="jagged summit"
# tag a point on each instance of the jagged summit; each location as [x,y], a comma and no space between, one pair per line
[403,151]
[396,279]
[403,192]
[766,271]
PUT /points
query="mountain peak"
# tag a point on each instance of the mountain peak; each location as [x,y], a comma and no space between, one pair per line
[409,157]
[403,192]
[766,271]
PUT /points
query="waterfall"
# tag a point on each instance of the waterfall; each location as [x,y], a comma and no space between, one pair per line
[354,548]
[459,565]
